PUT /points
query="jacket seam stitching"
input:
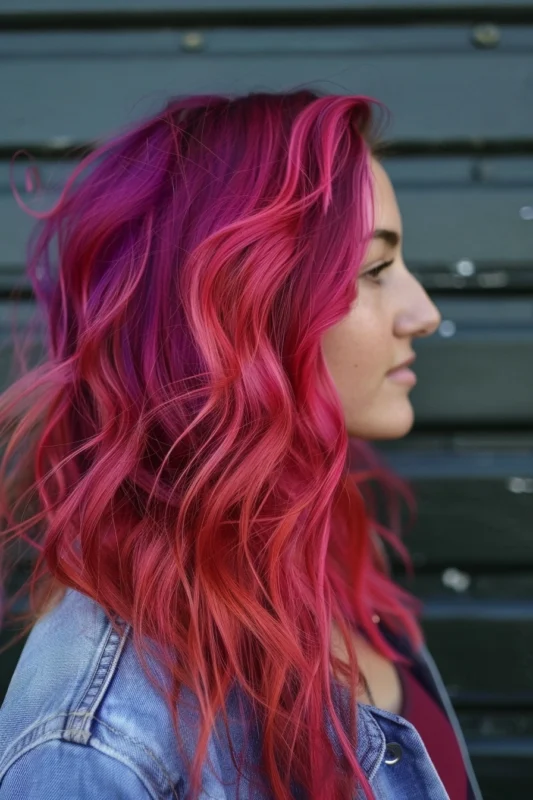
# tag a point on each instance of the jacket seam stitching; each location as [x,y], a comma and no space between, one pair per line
[62,734]
[57,735]
[102,675]
[126,736]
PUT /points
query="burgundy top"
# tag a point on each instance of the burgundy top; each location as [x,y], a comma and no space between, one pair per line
[421,710]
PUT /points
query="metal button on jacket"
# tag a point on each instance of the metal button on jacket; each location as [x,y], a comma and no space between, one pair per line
[393,753]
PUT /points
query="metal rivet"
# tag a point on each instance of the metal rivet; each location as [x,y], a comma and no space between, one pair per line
[59,141]
[447,328]
[520,485]
[486,35]
[465,267]
[455,579]
[192,40]
[393,753]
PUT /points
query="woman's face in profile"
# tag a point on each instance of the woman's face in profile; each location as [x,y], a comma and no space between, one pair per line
[391,309]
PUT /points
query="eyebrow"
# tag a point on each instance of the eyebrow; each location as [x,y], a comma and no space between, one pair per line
[391,237]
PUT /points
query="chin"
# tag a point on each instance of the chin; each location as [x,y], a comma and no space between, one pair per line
[392,425]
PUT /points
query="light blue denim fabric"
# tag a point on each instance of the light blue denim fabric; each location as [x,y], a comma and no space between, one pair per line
[81,720]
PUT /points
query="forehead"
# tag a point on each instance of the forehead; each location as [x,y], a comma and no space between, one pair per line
[387,213]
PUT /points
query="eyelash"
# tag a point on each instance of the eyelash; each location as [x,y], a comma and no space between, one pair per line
[373,273]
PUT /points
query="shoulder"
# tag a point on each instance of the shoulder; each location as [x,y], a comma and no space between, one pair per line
[68,770]
[79,710]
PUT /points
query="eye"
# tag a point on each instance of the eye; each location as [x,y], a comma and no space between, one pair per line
[375,271]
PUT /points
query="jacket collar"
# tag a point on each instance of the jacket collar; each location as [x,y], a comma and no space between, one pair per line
[426,671]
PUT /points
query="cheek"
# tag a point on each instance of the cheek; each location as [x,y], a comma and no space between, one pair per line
[371,346]
[357,353]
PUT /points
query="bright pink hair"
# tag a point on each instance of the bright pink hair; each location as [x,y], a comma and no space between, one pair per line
[183,442]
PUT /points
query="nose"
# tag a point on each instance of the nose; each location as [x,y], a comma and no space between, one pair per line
[431,318]
[419,316]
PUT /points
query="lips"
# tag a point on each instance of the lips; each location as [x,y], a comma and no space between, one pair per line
[404,365]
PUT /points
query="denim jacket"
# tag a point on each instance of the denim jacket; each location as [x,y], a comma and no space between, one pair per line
[81,720]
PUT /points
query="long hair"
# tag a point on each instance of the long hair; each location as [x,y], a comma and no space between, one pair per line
[180,453]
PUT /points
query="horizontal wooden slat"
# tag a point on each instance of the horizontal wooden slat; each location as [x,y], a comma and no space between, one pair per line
[18,6]
[501,775]
[500,743]
[78,86]
[474,369]
[474,495]
[456,209]
[472,521]
[471,668]
[461,628]
[491,725]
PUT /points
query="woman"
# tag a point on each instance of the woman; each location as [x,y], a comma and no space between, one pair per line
[212,607]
